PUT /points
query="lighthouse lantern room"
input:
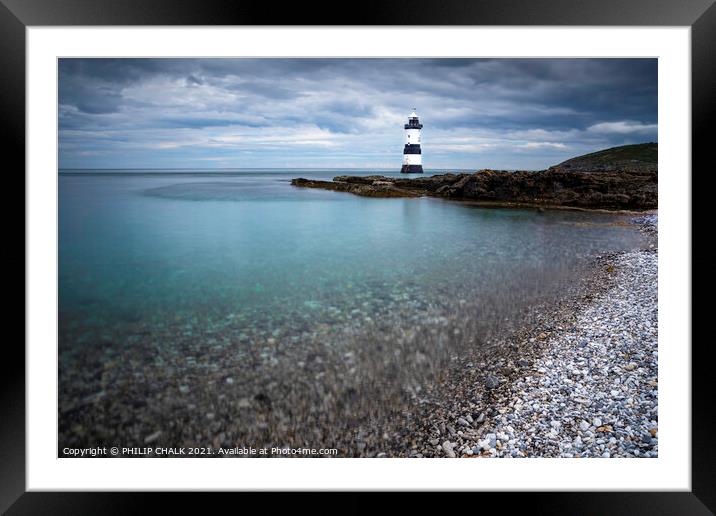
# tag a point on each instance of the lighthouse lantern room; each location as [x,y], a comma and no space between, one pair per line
[412,157]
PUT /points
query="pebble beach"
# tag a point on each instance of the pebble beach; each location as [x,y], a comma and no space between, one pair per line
[581,383]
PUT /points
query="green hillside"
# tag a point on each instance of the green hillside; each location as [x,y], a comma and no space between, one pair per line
[641,155]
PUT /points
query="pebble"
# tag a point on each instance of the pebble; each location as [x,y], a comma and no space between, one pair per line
[491,381]
[448,449]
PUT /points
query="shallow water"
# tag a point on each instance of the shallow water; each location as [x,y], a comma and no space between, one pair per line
[150,246]
[164,264]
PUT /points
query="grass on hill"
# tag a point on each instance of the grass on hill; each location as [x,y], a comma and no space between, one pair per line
[641,152]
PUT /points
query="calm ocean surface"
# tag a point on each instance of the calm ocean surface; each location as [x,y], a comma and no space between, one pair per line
[139,245]
[180,265]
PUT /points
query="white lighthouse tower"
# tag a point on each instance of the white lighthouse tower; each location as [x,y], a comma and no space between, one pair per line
[412,158]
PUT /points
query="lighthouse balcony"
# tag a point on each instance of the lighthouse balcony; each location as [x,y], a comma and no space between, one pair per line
[413,125]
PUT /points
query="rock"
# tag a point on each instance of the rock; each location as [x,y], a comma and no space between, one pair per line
[491,381]
[448,449]
[488,443]
[583,426]
[383,187]
[463,422]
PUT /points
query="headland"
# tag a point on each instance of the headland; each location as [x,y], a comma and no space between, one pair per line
[620,178]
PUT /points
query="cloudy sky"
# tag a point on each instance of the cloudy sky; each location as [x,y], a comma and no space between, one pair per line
[477,113]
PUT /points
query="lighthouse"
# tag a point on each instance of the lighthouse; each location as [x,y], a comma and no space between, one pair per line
[412,158]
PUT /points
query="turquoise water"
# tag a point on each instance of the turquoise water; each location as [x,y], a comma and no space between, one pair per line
[146,246]
[172,283]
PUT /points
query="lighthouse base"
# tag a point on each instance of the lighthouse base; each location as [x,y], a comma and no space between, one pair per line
[412,169]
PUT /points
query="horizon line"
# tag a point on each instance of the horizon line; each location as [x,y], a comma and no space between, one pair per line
[252,168]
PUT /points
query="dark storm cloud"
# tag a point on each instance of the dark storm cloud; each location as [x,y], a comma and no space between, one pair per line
[514,113]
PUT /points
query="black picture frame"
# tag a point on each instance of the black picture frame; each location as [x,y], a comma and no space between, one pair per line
[17,15]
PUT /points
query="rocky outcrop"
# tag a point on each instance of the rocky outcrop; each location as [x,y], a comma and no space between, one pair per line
[634,188]
[593,189]
[377,188]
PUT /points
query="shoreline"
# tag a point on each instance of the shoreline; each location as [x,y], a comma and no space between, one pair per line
[581,382]
[544,207]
